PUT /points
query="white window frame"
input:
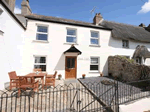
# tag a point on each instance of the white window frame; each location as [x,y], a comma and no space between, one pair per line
[95,64]
[37,25]
[40,63]
[71,35]
[94,38]
[125,41]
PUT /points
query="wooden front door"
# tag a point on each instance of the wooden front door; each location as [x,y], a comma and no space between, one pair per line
[70,67]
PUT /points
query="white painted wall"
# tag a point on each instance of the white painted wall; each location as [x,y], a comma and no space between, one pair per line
[11,47]
[57,45]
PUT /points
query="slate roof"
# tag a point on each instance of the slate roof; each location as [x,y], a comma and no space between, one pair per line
[64,21]
[126,31]
[119,30]
[73,49]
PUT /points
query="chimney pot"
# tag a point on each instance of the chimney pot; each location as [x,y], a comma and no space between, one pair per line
[97,18]
[142,25]
[25,7]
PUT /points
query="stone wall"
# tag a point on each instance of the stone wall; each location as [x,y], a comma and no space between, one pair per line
[126,70]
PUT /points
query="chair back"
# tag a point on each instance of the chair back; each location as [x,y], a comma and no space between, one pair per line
[37,69]
[12,75]
[54,76]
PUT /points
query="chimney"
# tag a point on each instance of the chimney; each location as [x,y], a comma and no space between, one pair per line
[25,7]
[97,19]
[142,25]
[11,4]
[148,28]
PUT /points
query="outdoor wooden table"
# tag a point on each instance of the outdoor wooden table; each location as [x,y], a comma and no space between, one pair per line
[39,75]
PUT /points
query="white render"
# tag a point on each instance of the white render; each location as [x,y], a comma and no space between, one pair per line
[55,46]
[141,105]
[11,46]
[18,48]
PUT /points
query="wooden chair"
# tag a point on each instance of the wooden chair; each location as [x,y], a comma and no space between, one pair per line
[53,76]
[27,82]
[50,80]
[14,79]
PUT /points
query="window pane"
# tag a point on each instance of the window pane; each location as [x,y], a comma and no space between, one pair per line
[94,60]
[73,63]
[94,41]
[42,29]
[43,67]
[71,32]
[41,37]
[94,34]
[71,39]
[93,67]
[40,60]
[68,63]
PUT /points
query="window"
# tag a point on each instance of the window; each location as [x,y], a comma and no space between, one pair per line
[40,62]
[71,36]
[94,38]
[94,65]
[70,63]
[125,43]
[42,33]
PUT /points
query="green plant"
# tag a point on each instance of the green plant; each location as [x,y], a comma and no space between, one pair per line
[59,76]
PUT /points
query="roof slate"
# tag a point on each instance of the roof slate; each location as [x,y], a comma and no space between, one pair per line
[119,30]
[64,21]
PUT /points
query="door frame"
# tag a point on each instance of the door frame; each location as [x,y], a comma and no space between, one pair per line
[75,66]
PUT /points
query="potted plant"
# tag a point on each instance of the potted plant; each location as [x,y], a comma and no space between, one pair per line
[101,74]
[59,77]
[83,76]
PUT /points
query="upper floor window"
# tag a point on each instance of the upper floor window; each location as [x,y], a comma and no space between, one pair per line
[94,38]
[42,33]
[71,36]
[125,43]
[40,62]
[94,65]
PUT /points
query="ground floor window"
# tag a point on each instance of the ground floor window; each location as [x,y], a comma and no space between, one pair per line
[94,64]
[40,62]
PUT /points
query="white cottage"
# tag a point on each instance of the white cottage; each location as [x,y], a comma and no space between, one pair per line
[70,47]
[11,42]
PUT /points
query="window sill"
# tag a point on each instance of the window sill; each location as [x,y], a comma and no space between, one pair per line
[94,45]
[41,41]
[71,43]
[94,72]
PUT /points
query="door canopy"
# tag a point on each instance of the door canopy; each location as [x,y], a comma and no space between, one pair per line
[73,49]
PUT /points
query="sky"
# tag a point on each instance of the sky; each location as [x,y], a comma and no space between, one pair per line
[131,12]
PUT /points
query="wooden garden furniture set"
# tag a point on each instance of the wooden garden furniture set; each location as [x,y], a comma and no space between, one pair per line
[29,80]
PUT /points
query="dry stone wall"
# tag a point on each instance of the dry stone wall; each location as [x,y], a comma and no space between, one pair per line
[126,70]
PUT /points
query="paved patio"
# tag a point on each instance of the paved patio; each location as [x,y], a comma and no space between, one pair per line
[126,92]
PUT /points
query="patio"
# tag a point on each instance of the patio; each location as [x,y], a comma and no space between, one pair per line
[126,91]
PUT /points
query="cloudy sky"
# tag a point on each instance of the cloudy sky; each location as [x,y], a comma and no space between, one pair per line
[123,11]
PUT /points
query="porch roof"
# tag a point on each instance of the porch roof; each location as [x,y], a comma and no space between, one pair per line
[73,49]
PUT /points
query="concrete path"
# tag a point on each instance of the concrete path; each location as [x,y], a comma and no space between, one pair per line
[141,105]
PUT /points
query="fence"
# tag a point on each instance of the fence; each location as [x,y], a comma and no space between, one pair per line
[80,97]
[67,98]
[131,91]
